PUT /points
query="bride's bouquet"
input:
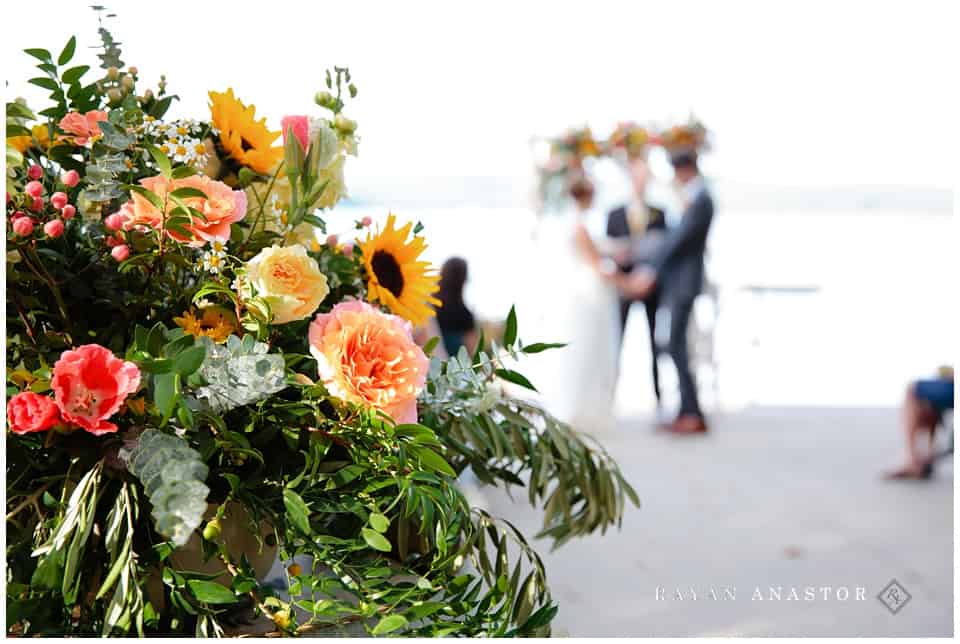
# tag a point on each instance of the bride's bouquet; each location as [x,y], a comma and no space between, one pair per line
[203,377]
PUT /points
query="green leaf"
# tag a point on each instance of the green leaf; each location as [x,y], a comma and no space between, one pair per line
[45,83]
[184,193]
[389,624]
[210,592]
[431,345]
[40,54]
[375,540]
[516,378]
[165,393]
[379,522]
[150,196]
[67,52]
[73,75]
[432,460]
[162,161]
[297,511]
[510,333]
[183,171]
[538,347]
[189,360]
[156,366]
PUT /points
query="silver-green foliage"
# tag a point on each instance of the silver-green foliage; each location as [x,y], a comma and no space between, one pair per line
[173,476]
[240,373]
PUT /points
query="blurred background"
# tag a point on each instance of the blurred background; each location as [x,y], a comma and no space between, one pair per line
[829,258]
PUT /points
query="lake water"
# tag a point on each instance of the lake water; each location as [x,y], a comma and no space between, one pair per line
[813,307]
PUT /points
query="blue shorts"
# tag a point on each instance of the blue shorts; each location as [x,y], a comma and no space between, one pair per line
[938,392]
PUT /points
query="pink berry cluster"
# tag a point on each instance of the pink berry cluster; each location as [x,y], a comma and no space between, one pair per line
[34,207]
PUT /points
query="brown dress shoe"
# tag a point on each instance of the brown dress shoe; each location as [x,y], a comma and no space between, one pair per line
[688,424]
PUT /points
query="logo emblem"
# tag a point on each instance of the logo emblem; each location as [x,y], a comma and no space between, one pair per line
[894,596]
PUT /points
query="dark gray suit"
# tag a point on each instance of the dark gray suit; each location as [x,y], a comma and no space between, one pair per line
[678,263]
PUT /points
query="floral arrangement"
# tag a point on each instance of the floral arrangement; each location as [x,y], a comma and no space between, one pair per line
[202,379]
[570,154]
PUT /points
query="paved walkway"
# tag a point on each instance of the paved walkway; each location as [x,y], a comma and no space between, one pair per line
[773,497]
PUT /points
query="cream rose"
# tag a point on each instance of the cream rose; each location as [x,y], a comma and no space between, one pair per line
[289,280]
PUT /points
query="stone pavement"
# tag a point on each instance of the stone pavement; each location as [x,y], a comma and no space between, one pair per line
[788,498]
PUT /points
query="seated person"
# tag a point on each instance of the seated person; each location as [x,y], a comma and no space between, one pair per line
[923,409]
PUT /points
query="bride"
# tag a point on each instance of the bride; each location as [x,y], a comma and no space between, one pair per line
[576,304]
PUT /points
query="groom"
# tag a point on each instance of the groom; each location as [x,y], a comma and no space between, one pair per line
[677,268]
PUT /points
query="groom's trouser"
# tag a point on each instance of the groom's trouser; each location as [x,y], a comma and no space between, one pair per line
[680,310]
[650,304]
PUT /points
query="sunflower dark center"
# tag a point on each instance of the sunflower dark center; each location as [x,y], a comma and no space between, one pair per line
[388,273]
[245,145]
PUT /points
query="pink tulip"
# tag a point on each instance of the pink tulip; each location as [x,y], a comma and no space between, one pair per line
[120,252]
[114,221]
[59,200]
[70,178]
[68,212]
[332,241]
[35,172]
[23,226]
[53,228]
[347,249]
[37,204]
[34,188]
[366,221]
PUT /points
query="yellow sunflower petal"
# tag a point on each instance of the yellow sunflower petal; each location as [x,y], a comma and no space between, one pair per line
[395,277]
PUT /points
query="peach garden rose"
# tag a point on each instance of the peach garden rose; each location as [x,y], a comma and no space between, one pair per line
[221,207]
[290,280]
[368,357]
[83,127]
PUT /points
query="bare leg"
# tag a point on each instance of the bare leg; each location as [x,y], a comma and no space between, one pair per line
[917,420]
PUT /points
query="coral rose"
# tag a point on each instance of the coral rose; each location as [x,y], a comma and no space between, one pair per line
[368,357]
[290,280]
[83,127]
[29,412]
[221,207]
[90,384]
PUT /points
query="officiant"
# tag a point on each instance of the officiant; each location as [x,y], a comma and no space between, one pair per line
[677,265]
[641,226]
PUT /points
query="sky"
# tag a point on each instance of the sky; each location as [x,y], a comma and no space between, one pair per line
[800,94]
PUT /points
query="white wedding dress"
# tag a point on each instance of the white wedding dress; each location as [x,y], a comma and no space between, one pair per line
[571,303]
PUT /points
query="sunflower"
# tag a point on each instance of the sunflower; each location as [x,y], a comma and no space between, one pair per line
[215,322]
[245,139]
[395,277]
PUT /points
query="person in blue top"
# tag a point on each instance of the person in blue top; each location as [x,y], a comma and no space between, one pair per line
[924,405]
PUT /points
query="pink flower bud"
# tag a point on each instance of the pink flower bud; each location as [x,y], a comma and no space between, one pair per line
[347,249]
[35,171]
[59,200]
[9,198]
[70,178]
[17,214]
[332,241]
[120,252]
[366,221]
[114,221]
[53,228]
[68,212]
[37,204]
[34,188]
[23,226]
